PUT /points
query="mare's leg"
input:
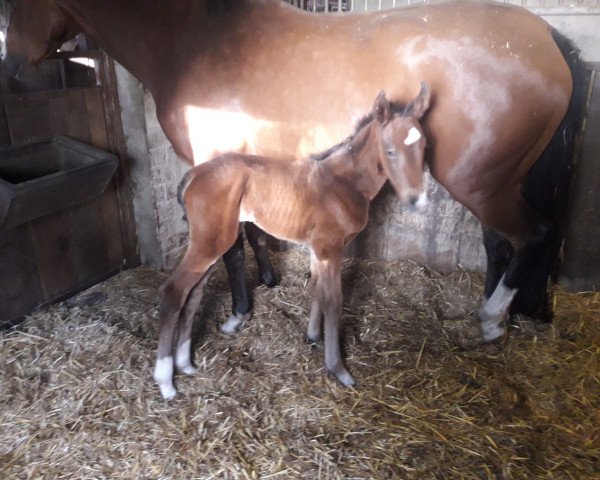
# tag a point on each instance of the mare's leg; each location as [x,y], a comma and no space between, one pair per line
[316,311]
[234,260]
[173,295]
[499,251]
[183,353]
[532,299]
[528,251]
[258,241]
[330,287]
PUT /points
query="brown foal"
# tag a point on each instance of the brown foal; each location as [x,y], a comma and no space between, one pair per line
[321,203]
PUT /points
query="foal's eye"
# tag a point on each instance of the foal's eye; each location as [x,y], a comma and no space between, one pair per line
[391,152]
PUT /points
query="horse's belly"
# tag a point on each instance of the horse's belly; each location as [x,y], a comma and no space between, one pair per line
[205,133]
[212,131]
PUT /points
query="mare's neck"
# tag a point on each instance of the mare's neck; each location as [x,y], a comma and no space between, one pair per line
[360,162]
[137,33]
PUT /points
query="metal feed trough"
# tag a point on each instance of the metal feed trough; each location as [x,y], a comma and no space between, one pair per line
[48,175]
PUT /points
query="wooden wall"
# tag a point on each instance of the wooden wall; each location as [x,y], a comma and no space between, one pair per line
[57,255]
[581,264]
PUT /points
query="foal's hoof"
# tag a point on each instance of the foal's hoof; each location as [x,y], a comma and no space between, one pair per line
[167,391]
[235,322]
[188,370]
[346,379]
[312,338]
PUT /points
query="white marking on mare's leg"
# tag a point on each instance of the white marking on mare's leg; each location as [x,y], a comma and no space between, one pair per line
[163,376]
[494,311]
[183,358]
[234,322]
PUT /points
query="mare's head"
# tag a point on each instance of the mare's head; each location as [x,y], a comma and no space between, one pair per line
[36,29]
[402,146]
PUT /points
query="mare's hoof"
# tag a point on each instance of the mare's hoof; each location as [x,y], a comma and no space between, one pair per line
[492,331]
[465,333]
[235,322]
[268,279]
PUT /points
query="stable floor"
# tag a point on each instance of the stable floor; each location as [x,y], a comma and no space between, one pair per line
[77,398]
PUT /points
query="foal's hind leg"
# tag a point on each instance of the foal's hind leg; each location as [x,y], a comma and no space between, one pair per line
[183,353]
[313,333]
[258,241]
[173,295]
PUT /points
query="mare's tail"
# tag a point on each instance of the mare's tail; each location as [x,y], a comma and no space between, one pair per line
[546,187]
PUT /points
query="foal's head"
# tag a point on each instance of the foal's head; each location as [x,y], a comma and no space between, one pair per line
[402,146]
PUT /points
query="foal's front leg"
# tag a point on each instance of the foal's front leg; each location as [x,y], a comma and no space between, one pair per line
[330,287]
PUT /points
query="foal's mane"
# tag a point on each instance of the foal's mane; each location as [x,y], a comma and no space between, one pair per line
[395,108]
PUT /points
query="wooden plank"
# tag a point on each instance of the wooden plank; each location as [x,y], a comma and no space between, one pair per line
[20,287]
[77,244]
[115,246]
[89,234]
[53,245]
[69,116]
[581,265]
[117,146]
[95,115]
[28,119]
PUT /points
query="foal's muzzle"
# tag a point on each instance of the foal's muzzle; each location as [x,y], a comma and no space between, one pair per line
[418,203]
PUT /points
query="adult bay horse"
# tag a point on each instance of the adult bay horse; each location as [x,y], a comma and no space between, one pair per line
[261,77]
[320,203]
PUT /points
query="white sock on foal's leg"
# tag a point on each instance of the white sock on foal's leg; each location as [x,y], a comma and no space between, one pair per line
[163,375]
[183,358]
[494,311]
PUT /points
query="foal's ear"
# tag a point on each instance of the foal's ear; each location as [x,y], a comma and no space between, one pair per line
[419,105]
[382,108]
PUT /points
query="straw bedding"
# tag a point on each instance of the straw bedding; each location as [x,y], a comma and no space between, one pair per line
[78,401]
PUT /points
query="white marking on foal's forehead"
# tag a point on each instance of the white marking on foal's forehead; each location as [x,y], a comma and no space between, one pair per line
[413,136]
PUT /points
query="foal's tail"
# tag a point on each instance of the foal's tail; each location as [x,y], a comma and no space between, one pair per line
[546,188]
